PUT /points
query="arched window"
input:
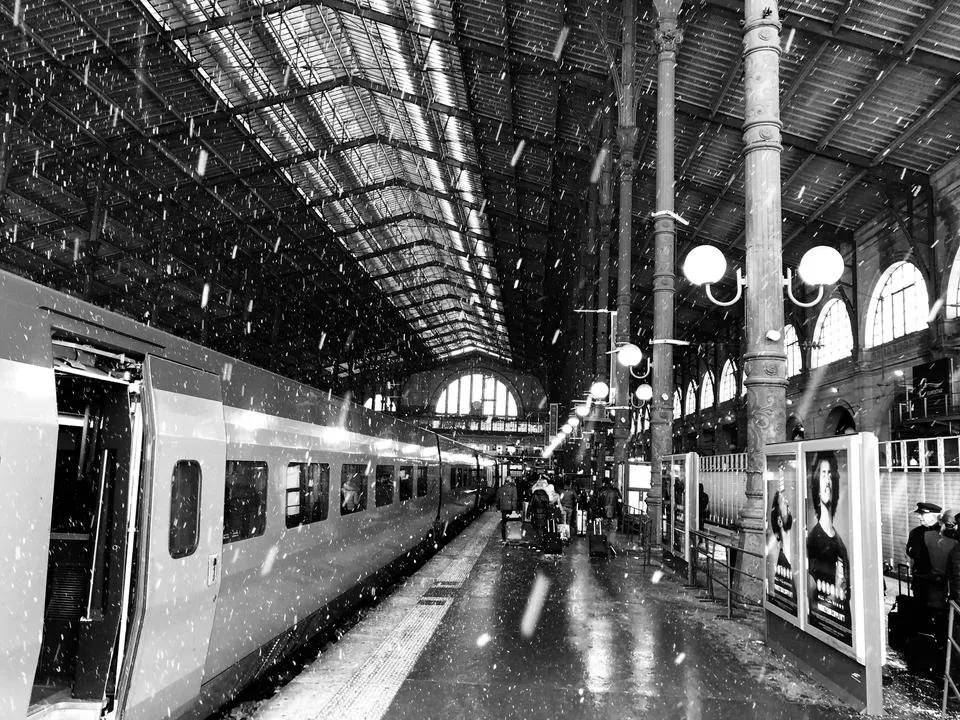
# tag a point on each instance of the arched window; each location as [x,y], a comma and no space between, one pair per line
[728,382]
[833,338]
[706,391]
[677,403]
[381,403]
[477,394]
[791,344]
[898,306]
[690,406]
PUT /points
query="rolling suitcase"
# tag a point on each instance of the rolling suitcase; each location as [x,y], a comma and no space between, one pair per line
[598,541]
[581,522]
[550,540]
[514,529]
[901,620]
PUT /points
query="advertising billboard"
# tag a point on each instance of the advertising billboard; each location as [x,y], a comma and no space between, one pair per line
[823,568]
[783,565]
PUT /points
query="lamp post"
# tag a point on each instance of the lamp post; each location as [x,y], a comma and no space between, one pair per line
[765,362]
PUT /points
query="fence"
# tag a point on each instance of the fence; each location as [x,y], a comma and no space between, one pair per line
[724,479]
[721,569]
[912,471]
[949,686]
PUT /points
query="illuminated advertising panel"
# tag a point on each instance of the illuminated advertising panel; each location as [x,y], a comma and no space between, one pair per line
[784,537]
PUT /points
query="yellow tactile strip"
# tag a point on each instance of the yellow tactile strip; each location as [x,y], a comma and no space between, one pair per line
[359,676]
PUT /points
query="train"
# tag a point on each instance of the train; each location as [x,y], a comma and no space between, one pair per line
[176,520]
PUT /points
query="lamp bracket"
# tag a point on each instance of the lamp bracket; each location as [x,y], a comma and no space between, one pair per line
[741,284]
[788,284]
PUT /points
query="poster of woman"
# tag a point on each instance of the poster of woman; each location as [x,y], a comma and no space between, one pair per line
[828,523]
[783,542]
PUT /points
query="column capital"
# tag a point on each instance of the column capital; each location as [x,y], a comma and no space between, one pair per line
[667,35]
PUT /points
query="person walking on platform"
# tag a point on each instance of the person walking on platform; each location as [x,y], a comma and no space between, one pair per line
[568,504]
[610,504]
[507,504]
[540,512]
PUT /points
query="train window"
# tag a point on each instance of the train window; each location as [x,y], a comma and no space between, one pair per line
[406,482]
[184,508]
[460,477]
[308,493]
[422,481]
[244,500]
[353,488]
[384,490]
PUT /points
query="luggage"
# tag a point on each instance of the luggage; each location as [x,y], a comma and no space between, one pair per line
[924,655]
[550,541]
[515,529]
[581,522]
[598,541]
[901,622]
[564,530]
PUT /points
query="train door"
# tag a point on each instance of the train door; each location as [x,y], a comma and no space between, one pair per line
[95,393]
[28,440]
[180,551]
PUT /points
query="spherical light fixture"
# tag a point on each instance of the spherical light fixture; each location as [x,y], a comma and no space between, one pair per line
[629,355]
[567,428]
[820,265]
[644,393]
[573,421]
[704,265]
[600,390]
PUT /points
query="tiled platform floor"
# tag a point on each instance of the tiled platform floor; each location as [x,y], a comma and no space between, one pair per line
[613,640]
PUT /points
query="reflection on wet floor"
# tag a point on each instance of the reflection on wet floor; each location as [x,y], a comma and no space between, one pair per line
[609,644]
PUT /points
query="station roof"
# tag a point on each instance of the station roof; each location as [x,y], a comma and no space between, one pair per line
[396,183]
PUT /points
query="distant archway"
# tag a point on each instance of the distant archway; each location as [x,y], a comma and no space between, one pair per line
[840,421]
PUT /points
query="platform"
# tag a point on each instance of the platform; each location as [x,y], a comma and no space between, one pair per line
[614,639]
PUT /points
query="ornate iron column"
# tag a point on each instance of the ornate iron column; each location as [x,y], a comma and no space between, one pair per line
[627,140]
[765,363]
[605,216]
[667,37]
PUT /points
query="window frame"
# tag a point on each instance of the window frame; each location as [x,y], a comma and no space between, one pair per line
[378,483]
[423,481]
[899,305]
[791,348]
[301,490]
[707,386]
[475,392]
[364,488]
[410,483]
[263,505]
[826,313]
[177,552]
[727,390]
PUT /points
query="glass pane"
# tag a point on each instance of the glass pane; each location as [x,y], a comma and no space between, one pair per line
[384,485]
[464,408]
[476,388]
[511,406]
[315,484]
[951,452]
[406,482]
[353,489]
[500,407]
[453,394]
[244,500]
[184,508]
[293,495]
[442,402]
[489,388]
[422,481]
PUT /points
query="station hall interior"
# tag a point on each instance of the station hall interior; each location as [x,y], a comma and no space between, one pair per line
[582,238]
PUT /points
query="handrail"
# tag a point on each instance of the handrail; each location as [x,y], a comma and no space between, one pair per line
[952,645]
[729,565]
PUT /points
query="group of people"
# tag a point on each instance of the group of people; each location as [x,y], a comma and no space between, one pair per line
[539,502]
[934,551]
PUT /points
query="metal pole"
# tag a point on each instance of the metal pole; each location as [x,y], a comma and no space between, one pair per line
[765,363]
[627,140]
[667,38]
[605,215]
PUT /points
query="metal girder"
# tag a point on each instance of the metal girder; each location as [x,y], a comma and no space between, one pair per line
[395,182]
[794,17]
[415,216]
[356,81]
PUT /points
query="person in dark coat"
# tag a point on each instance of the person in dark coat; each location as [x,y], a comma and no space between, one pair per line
[610,501]
[920,542]
[540,511]
[506,503]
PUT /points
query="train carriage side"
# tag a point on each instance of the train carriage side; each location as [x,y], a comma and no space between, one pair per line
[155,479]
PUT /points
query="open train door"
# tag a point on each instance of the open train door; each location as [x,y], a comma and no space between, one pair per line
[179,553]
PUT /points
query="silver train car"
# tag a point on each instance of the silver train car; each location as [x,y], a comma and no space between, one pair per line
[175,521]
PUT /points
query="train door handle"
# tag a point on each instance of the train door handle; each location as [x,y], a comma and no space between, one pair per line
[213,568]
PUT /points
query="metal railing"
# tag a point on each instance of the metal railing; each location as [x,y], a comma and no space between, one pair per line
[706,545]
[949,686]
[724,479]
[636,523]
